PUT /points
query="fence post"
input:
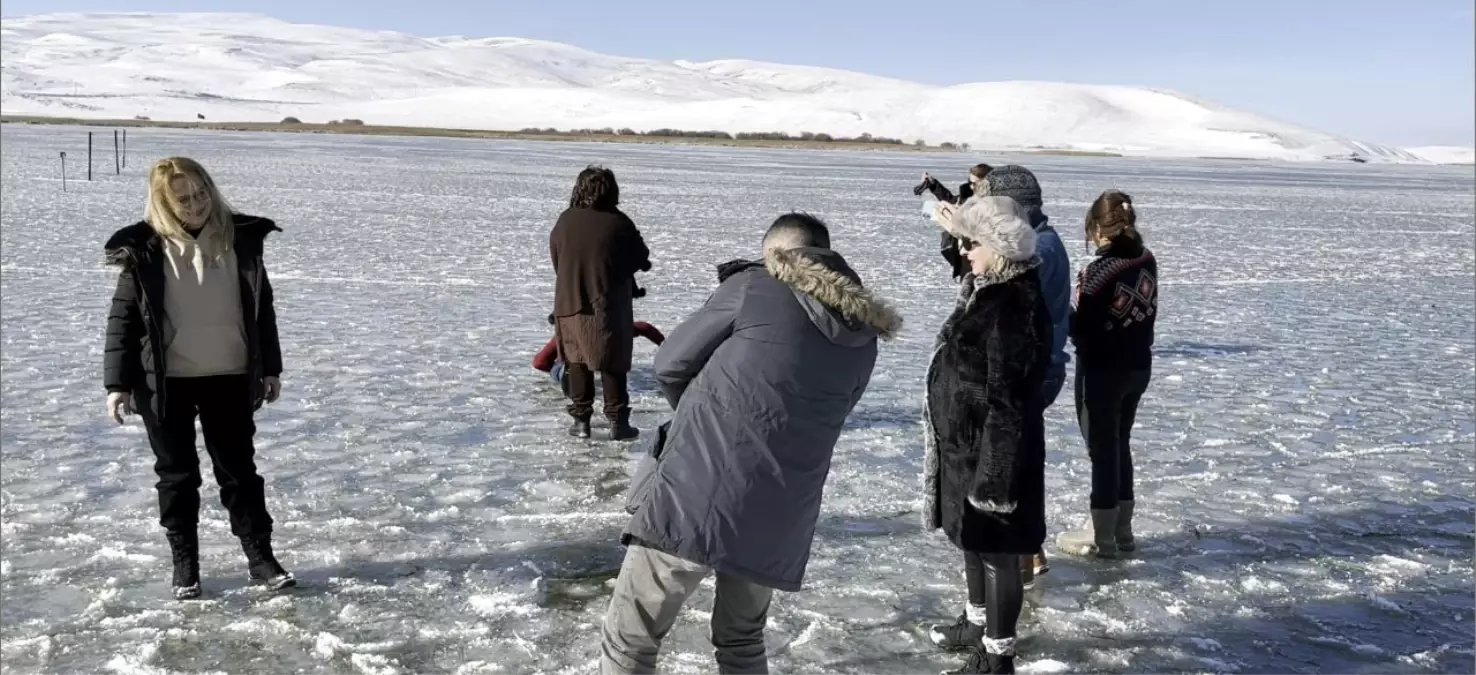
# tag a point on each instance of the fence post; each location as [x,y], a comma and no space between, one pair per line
[117,158]
[89,156]
[64,171]
[125,148]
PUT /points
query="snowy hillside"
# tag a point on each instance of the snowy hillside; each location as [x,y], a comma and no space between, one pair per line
[1446,154]
[244,67]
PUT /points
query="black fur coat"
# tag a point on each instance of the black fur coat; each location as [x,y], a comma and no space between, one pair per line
[984,472]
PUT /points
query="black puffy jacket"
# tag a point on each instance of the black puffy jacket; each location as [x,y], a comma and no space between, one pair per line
[134,350]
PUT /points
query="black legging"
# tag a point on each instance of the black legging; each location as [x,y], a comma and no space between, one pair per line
[995,583]
[1106,407]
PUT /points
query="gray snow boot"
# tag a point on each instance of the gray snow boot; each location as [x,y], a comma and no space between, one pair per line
[1124,530]
[1098,539]
[184,548]
[262,565]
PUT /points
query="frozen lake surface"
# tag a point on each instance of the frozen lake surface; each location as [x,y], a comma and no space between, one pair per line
[1304,453]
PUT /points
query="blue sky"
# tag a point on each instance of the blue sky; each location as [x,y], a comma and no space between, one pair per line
[1403,74]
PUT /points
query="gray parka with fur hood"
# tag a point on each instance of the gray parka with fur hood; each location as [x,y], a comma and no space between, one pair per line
[762,379]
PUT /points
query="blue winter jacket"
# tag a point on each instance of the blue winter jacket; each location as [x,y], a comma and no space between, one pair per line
[1055,285]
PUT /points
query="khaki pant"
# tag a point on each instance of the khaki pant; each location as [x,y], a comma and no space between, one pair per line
[649,595]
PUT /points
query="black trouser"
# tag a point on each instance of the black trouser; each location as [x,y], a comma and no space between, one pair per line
[225,406]
[581,391]
[995,584]
[1106,405]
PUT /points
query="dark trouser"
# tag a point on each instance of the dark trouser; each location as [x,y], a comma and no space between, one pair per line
[995,584]
[581,391]
[225,407]
[1106,406]
[1055,380]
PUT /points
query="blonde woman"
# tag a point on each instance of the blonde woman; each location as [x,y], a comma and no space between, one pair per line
[193,332]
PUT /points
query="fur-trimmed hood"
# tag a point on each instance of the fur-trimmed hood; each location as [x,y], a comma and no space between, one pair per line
[838,304]
[131,240]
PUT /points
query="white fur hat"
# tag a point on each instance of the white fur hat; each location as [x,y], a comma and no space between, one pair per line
[997,223]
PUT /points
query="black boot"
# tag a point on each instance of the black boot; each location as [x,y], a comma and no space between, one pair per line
[620,428]
[185,550]
[262,566]
[580,427]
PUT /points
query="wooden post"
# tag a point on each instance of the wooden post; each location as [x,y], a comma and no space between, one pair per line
[64,171]
[117,158]
[89,156]
[125,148]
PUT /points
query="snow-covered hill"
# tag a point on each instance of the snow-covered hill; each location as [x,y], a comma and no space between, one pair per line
[1446,154]
[246,67]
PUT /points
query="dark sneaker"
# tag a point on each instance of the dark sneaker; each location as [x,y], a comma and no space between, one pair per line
[958,636]
[579,429]
[981,661]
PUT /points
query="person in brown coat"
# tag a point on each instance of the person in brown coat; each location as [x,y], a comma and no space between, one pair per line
[596,252]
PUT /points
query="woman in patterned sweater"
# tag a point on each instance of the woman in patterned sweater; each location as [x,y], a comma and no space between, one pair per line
[1112,328]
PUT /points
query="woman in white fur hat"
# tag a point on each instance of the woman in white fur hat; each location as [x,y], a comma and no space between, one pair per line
[984,472]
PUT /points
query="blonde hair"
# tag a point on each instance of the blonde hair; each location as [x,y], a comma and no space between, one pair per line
[993,264]
[163,207]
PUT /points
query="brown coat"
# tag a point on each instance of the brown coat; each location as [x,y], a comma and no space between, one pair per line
[595,257]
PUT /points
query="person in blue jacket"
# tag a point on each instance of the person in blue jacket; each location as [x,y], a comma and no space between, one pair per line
[1019,184]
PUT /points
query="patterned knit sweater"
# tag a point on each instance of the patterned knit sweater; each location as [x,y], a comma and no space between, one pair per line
[1115,307]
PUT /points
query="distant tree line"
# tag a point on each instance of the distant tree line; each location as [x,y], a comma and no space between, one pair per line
[345,122]
[770,136]
[780,136]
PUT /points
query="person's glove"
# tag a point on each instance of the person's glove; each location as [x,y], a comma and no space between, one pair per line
[927,182]
[273,385]
[638,293]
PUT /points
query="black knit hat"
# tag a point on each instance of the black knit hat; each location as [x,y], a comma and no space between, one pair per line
[1013,181]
